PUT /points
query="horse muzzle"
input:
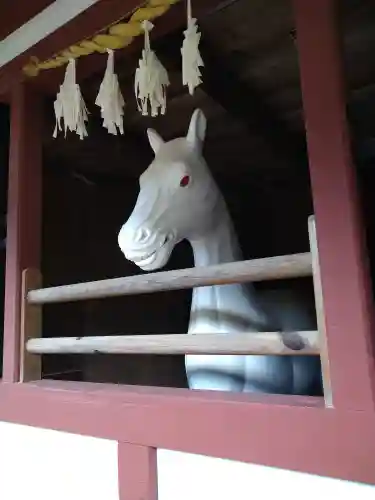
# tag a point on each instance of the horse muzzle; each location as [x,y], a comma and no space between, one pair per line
[147,250]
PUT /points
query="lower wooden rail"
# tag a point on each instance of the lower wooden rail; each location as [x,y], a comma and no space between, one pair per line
[272,343]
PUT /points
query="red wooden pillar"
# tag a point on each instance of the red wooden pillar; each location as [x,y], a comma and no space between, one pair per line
[24,213]
[342,250]
[137,472]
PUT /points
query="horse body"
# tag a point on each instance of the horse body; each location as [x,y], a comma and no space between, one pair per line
[179,200]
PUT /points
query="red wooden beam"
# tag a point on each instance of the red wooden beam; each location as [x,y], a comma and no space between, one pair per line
[15,13]
[266,430]
[137,472]
[24,214]
[343,256]
[86,24]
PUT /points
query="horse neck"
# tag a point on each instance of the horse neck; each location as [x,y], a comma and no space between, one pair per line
[222,308]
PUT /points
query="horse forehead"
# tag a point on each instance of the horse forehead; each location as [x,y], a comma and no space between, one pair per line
[175,151]
[168,157]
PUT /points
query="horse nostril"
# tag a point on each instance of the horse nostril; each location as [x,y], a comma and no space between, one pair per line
[142,235]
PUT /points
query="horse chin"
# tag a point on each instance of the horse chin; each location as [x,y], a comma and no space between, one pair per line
[157,259]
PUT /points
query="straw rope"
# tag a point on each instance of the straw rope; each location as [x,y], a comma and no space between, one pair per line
[117,36]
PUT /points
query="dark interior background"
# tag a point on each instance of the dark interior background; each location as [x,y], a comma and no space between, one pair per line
[255,148]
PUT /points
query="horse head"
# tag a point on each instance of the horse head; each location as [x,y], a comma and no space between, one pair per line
[176,199]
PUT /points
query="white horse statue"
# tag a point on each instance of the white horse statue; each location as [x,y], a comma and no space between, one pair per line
[178,200]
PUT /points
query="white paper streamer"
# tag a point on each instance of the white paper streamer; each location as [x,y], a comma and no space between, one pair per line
[151,79]
[69,105]
[191,58]
[110,99]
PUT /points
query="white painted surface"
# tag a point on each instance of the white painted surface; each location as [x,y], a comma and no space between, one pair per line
[43,24]
[43,464]
[184,476]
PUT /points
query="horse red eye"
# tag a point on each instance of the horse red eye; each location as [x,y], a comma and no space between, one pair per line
[185,181]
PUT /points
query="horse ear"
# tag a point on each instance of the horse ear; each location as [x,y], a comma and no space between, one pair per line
[197,128]
[155,140]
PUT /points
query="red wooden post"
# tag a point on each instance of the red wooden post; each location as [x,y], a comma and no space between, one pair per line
[24,214]
[343,256]
[137,472]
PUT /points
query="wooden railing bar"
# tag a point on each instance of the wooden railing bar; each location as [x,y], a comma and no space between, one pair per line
[267,343]
[30,367]
[320,315]
[272,268]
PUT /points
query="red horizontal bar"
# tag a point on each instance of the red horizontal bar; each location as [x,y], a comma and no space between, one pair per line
[292,433]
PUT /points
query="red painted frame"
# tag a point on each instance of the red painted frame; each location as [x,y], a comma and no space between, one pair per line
[292,433]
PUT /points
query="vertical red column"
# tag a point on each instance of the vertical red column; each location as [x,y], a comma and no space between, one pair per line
[24,213]
[342,251]
[137,472]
